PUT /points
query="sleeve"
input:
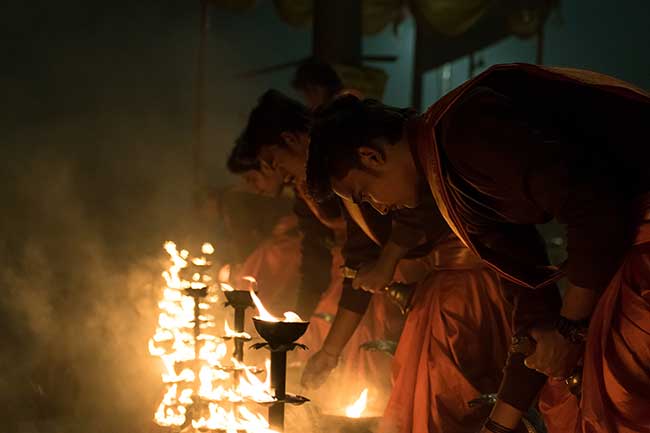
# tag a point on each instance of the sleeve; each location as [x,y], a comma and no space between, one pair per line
[316,259]
[495,154]
[536,156]
[520,385]
[358,249]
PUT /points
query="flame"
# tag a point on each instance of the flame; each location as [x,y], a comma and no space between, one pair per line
[192,366]
[200,261]
[227,287]
[207,248]
[290,316]
[262,313]
[252,282]
[230,333]
[224,274]
[355,410]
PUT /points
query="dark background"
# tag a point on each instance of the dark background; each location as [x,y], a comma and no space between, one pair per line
[95,172]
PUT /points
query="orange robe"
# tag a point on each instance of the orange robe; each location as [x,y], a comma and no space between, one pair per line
[275,264]
[442,360]
[357,368]
[490,215]
[616,374]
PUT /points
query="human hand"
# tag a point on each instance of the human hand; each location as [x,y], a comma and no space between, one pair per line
[374,278]
[554,356]
[318,369]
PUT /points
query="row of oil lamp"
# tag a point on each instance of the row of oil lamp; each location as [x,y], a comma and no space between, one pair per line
[193,356]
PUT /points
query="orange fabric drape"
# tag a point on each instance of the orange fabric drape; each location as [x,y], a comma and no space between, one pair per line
[616,374]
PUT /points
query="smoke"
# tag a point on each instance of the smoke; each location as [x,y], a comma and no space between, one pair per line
[80,279]
[95,174]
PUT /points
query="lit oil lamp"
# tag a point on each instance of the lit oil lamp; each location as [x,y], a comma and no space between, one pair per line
[354,419]
[280,335]
[239,300]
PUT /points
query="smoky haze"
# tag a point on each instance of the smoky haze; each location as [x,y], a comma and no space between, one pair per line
[96,173]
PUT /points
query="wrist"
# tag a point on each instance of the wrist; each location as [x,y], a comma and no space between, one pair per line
[392,253]
[505,415]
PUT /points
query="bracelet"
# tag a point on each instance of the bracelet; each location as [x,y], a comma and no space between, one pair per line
[575,331]
[495,427]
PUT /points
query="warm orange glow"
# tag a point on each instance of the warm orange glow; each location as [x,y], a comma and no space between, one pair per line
[290,316]
[356,409]
[187,378]
[263,314]
[207,248]
[230,333]
[200,261]
[227,287]
[224,274]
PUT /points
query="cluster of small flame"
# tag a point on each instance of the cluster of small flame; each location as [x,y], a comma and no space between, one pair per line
[356,409]
[174,344]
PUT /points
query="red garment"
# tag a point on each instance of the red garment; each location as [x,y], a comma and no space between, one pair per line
[275,265]
[452,349]
[357,369]
[616,375]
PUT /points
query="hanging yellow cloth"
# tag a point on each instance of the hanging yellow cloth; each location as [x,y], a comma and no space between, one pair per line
[450,17]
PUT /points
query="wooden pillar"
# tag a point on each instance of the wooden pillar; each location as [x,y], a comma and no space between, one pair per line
[199,99]
[420,66]
[337,31]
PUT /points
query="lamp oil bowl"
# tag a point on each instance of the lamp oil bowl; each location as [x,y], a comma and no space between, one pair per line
[280,333]
[239,298]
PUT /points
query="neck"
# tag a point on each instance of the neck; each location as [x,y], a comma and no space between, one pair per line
[409,139]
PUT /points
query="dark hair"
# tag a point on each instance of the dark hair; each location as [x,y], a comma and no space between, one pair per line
[242,159]
[274,114]
[342,127]
[315,73]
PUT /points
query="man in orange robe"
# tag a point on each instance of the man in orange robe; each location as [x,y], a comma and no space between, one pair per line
[514,147]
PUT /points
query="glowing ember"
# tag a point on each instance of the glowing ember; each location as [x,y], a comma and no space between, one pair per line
[355,410]
[207,248]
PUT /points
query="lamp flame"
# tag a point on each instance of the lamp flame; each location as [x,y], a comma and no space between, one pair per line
[224,274]
[207,248]
[356,409]
[263,314]
[192,367]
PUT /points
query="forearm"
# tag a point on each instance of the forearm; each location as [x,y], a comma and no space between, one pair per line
[391,254]
[344,325]
[506,415]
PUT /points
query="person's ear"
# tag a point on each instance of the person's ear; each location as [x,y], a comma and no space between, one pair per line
[371,157]
[289,138]
[266,168]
